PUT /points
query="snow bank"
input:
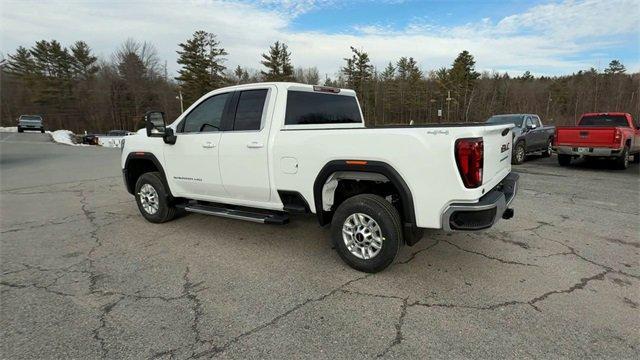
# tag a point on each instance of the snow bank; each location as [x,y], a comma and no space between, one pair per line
[64,137]
[110,141]
[8,129]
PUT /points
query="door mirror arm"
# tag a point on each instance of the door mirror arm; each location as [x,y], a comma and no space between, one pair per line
[169,136]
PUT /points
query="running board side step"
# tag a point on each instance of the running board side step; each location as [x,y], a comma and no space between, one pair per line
[259,217]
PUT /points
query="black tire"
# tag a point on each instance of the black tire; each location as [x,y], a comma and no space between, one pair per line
[519,153]
[20,129]
[622,162]
[636,158]
[42,131]
[387,218]
[547,151]
[165,211]
[564,160]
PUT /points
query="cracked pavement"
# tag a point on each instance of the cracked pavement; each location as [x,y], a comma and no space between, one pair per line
[82,275]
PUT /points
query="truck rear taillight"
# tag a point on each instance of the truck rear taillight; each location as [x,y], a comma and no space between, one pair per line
[470,159]
[618,136]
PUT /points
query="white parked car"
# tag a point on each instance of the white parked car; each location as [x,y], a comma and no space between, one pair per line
[260,152]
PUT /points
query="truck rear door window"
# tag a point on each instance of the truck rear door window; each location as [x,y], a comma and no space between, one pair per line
[249,110]
[310,108]
[604,121]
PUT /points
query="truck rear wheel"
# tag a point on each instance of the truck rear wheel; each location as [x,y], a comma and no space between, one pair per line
[367,232]
[151,197]
[549,149]
[564,160]
[622,162]
[519,153]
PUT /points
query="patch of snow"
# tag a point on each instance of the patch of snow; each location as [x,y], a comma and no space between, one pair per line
[110,141]
[8,129]
[64,137]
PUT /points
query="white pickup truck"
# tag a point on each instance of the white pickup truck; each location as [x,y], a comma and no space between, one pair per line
[260,152]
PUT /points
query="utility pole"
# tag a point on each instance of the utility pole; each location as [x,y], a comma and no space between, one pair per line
[449,105]
[548,102]
[181,101]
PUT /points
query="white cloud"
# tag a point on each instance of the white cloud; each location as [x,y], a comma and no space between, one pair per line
[544,39]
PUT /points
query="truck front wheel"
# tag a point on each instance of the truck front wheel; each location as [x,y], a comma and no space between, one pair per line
[367,232]
[151,197]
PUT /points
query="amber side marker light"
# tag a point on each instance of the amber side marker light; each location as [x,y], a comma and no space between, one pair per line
[356,162]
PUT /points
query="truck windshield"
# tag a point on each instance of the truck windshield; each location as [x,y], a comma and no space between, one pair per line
[30,117]
[604,120]
[509,119]
[308,108]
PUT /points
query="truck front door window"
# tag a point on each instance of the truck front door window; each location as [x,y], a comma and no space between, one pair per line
[206,116]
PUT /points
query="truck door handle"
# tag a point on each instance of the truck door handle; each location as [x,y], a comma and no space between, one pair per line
[254,145]
[208,145]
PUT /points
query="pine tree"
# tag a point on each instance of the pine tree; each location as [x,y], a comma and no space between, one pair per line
[389,73]
[358,69]
[84,63]
[408,78]
[241,75]
[615,67]
[21,63]
[462,72]
[526,76]
[462,77]
[278,63]
[201,58]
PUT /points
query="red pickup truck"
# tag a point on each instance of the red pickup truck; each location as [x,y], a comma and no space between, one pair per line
[614,135]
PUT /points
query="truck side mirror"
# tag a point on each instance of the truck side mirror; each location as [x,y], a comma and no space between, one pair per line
[157,127]
[155,124]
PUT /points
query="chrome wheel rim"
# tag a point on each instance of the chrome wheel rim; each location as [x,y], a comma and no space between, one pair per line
[362,236]
[520,154]
[149,199]
[549,147]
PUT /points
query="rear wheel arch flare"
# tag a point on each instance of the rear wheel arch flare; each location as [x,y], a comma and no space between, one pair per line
[363,166]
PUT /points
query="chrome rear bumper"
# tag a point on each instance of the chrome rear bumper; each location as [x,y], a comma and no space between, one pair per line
[483,214]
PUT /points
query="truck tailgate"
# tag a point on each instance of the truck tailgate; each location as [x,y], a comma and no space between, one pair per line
[586,136]
[497,153]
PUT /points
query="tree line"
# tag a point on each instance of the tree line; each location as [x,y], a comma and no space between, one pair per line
[75,90]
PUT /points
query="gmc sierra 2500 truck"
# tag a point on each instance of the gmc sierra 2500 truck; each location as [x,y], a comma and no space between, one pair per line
[260,152]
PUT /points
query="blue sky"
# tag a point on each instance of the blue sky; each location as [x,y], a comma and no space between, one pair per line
[544,37]
[333,18]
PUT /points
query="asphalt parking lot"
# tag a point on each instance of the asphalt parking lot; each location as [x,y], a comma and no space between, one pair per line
[84,276]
